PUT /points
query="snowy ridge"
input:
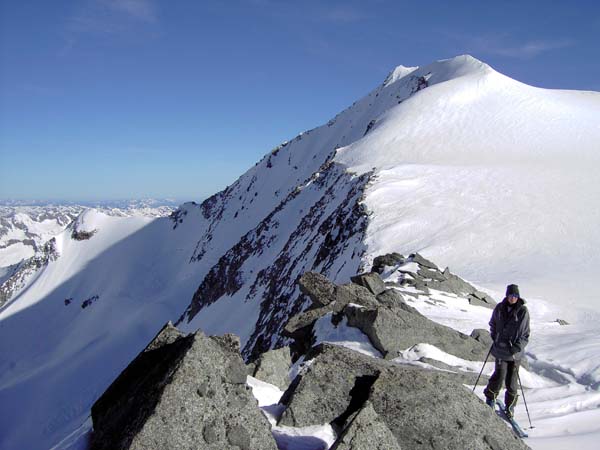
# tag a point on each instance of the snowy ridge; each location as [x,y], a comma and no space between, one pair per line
[422,163]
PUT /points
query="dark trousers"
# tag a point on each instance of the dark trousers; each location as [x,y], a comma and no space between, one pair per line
[504,372]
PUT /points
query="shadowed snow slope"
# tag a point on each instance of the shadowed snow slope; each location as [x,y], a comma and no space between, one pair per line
[454,160]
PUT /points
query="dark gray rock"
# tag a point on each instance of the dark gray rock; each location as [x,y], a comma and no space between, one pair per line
[482,335]
[392,330]
[181,392]
[478,298]
[389,260]
[562,322]
[415,257]
[390,298]
[317,287]
[273,367]
[371,280]
[366,431]
[429,410]
[322,392]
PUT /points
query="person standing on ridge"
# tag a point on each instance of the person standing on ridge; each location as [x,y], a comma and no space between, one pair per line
[509,328]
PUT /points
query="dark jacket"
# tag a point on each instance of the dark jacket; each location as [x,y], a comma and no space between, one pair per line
[509,327]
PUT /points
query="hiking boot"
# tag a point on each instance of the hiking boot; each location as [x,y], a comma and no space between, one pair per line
[510,401]
[491,402]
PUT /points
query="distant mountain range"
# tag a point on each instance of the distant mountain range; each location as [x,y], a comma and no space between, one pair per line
[25,226]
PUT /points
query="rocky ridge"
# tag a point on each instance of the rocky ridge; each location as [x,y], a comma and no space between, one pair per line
[189,391]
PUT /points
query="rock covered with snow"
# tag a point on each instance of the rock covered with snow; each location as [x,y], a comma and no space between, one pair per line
[382,314]
[422,274]
[182,392]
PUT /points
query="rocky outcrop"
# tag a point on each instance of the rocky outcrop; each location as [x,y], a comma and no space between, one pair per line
[22,272]
[394,329]
[389,260]
[386,405]
[273,367]
[181,392]
[420,273]
[430,410]
[382,314]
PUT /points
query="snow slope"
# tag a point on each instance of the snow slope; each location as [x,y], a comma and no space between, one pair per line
[454,160]
[491,177]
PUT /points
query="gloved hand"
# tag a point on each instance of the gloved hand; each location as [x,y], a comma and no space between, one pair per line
[514,348]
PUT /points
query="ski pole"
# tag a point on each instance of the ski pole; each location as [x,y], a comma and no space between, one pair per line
[484,363]
[524,401]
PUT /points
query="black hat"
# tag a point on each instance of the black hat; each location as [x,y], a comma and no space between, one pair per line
[512,289]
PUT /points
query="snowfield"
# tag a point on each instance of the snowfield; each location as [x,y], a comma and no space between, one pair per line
[472,169]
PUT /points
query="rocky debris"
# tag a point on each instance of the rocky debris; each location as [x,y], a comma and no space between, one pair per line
[372,281]
[388,260]
[370,400]
[483,336]
[561,322]
[273,367]
[366,431]
[424,275]
[182,392]
[389,322]
[394,329]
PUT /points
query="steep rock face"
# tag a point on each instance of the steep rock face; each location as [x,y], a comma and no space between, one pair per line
[23,272]
[262,268]
[181,392]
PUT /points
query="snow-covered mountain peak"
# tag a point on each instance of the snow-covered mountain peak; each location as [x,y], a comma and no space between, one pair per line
[440,71]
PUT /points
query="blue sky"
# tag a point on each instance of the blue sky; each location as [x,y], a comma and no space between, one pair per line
[104,99]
